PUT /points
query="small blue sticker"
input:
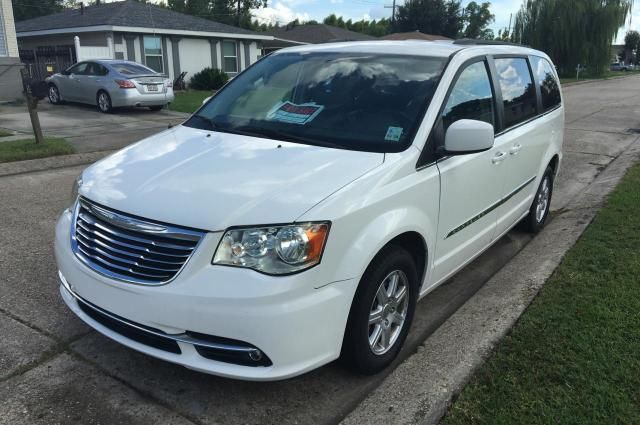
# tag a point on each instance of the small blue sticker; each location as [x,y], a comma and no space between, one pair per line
[393,134]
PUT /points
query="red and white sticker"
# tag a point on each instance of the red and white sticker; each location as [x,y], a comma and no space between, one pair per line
[294,114]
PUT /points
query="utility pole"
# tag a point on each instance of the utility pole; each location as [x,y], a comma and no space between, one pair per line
[393,15]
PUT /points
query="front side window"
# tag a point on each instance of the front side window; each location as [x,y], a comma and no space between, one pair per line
[78,69]
[471,97]
[153,53]
[357,101]
[230,53]
[549,88]
[518,91]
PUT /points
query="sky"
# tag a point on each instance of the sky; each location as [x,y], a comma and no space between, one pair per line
[284,11]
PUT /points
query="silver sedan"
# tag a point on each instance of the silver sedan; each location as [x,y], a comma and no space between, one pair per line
[110,84]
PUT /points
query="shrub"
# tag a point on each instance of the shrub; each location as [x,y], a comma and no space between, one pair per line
[208,79]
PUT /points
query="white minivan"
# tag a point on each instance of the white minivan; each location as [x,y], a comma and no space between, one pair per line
[299,215]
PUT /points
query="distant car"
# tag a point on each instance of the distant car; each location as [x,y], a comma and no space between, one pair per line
[620,67]
[110,84]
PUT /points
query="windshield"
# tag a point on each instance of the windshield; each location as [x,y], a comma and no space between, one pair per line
[127,68]
[345,100]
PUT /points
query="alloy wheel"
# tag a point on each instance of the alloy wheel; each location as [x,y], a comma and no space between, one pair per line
[542,202]
[103,102]
[388,312]
[53,95]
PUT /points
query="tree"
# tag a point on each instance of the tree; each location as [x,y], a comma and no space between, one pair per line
[440,17]
[28,10]
[572,32]
[478,17]
[631,44]
[232,12]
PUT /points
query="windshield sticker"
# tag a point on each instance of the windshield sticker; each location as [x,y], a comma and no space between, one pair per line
[294,114]
[393,134]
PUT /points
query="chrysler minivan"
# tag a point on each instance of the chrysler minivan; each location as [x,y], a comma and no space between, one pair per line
[299,215]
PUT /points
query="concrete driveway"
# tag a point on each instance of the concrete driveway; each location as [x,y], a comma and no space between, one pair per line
[53,369]
[86,128]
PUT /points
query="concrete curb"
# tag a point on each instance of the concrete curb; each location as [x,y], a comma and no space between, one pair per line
[53,162]
[598,80]
[422,388]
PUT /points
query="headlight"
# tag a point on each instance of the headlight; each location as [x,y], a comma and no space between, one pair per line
[74,191]
[273,249]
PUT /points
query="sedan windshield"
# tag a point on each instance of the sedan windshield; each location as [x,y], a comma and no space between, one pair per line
[356,101]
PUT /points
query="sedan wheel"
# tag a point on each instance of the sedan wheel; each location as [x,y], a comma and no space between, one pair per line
[104,102]
[54,95]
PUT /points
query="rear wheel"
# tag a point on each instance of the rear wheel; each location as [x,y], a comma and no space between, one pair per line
[539,210]
[104,102]
[155,107]
[382,312]
[54,95]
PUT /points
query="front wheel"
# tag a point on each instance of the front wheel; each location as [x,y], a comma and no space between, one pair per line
[539,210]
[54,95]
[104,102]
[382,312]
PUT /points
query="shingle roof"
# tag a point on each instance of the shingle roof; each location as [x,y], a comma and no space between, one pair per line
[129,13]
[319,33]
[415,35]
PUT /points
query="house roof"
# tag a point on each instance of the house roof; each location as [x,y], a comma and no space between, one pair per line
[414,35]
[318,33]
[128,13]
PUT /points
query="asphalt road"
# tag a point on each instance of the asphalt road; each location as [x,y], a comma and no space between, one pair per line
[54,369]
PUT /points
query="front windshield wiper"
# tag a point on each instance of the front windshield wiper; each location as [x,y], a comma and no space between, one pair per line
[274,134]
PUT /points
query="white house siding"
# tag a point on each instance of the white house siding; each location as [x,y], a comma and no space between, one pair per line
[169,55]
[97,39]
[195,55]
[10,80]
[254,51]
[8,25]
[136,49]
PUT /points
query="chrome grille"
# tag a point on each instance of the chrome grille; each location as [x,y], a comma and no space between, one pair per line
[128,248]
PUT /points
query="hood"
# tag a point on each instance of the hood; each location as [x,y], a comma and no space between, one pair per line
[211,181]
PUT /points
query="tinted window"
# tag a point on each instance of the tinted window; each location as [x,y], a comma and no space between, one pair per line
[358,101]
[549,88]
[518,91]
[79,68]
[130,68]
[95,69]
[471,97]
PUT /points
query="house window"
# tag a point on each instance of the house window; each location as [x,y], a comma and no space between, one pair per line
[230,56]
[3,36]
[153,53]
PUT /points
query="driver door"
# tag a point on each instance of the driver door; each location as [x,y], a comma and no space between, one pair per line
[471,185]
[69,84]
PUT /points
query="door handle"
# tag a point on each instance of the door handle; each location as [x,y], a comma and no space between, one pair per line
[499,157]
[515,149]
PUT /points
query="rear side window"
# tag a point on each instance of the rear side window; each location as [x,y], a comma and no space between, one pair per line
[549,88]
[518,91]
[471,97]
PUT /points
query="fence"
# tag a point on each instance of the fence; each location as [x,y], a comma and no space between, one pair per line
[47,60]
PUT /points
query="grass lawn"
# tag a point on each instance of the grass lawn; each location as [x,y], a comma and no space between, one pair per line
[5,133]
[19,150]
[189,100]
[574,356]
[607,75]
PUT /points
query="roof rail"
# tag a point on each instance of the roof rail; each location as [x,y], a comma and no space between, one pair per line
[475,42]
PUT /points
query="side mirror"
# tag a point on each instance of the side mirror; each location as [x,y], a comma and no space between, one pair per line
[206,100]
[468,136]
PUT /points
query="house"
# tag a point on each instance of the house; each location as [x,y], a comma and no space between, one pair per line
[10,80]
[166,41]
[293,35]
[414,35]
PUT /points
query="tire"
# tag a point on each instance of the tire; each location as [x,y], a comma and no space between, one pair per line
[362,351]
[103,101]
[54,95]
[155,107]
[535,221]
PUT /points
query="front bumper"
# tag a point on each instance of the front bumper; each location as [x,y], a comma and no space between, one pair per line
[295,327]
[132,97]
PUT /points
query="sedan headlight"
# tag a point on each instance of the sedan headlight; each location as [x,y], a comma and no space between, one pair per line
[273,249]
